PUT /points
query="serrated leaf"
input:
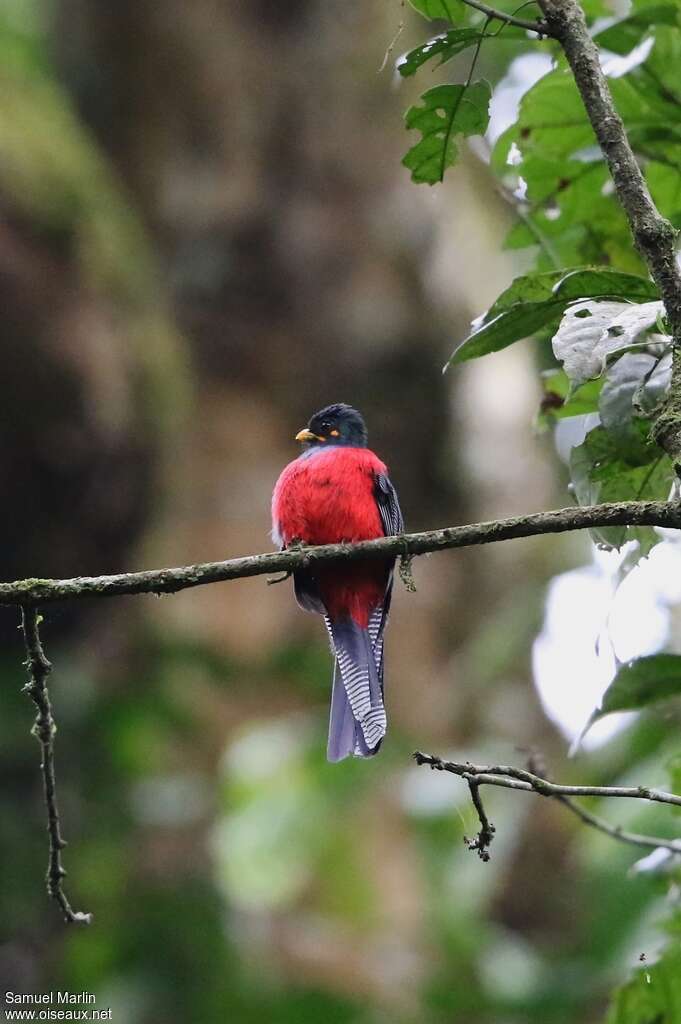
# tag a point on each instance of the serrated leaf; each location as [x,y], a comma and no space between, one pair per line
[445,46]
[641,683]
[607,468]
[446,111]
[539,300]
[591,330]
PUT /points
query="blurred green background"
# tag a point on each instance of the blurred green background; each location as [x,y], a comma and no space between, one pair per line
[206,235]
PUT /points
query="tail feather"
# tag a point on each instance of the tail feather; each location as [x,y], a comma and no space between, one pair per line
[342,725]
[358,720]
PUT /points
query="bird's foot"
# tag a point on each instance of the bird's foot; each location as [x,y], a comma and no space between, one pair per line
[296,545]
[279,579]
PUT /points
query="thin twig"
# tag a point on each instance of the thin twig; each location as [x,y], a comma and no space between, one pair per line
[168,581]
[393,42]
[615,832]
[509,777]
[44,729]
[482,841]
[540,27]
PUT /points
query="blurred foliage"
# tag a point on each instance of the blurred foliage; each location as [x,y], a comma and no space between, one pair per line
[232,872]
[570,218]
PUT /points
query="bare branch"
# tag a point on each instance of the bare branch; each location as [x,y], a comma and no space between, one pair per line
[508,777]
[615,832]
[482,841]
[44,729]
[30,592]
[540,27]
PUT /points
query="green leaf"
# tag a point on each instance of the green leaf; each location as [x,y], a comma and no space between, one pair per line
[664,183]
[640,683]
[447,111]
[561,401]
[571,203]
[636,382]
[434,9]
[592,283]
[539,300]
[445,46]
[628,32]
[653,996]
[674,769]
[608,468]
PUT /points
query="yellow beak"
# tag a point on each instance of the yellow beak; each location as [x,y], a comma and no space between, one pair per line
[307,435]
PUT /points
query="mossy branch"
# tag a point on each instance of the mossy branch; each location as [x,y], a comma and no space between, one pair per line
[27,594]
[30,592]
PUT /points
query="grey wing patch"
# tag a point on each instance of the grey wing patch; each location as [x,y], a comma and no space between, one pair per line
[388,505]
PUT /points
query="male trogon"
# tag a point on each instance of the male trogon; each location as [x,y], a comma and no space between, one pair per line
[337,490]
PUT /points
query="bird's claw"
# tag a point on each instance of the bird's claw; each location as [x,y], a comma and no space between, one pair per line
[295,545]
[279,579]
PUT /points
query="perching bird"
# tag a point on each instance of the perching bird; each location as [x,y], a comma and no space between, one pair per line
[338,490]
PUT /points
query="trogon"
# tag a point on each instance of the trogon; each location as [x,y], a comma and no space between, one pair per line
[338,490]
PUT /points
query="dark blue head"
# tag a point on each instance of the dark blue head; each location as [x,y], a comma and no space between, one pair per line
[338,424]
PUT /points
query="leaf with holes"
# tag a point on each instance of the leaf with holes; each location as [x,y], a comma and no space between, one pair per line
[591,330]
[447,111]
[445,46]
[536,301]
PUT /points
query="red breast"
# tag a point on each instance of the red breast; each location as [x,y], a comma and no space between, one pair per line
[327,497]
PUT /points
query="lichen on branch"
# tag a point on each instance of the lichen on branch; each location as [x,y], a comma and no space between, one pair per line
[30,592]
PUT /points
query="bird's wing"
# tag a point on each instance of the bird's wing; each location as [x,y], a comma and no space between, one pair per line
[388,505]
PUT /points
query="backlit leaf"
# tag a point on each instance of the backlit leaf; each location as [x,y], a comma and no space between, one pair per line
[591,330]
[642,682]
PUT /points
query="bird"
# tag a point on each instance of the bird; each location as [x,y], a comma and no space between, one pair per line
[336,491]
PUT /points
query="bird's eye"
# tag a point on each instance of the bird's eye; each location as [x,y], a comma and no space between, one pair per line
[326,426]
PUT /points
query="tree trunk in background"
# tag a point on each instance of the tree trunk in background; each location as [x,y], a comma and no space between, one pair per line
[261,149]
[92,365]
